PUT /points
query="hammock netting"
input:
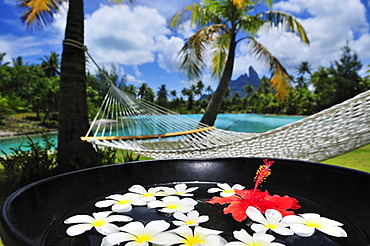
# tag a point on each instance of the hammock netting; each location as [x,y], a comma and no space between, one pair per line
[136,125]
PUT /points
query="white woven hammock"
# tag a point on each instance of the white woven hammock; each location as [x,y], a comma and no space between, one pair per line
[136,125]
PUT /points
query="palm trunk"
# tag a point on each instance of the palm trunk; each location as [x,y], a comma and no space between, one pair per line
[218,96]
[73,115]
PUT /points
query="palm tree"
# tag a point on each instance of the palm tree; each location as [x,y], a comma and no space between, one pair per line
[51,64]
[199,90]
[73,114]
[190,94]
[223,24]
[2,55]
[143,90]
[303,68]
[162,94]
[209,90]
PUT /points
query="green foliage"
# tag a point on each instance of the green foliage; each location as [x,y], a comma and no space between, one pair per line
[345,74]
[130,156]
[113,155]
[24,166]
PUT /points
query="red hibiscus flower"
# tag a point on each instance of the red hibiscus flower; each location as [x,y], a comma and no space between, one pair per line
[261,200]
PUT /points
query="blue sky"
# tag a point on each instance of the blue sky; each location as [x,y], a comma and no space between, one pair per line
[139,40]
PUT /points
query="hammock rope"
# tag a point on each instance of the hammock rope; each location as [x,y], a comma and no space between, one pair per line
[329,133]
[136,125]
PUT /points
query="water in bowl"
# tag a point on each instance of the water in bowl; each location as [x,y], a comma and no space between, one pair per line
[56,234]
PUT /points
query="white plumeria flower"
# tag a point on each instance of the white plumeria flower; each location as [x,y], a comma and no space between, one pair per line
[147,195]
[305,225]
[139,235]
[272,221]
[200,237]
[101,221]
[190,219]
[225,189]
[171,204]
[121,203]
[179,190]
[258,239]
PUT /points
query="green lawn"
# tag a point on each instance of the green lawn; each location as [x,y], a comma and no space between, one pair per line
[357,159]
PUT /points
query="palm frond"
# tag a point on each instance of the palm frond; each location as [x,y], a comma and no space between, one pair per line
[286,21]
[280,77]
[239,3]
[198,15]
[219,54]
[269,3]
[280,81]
[193,54]
[250,24]
[38,12]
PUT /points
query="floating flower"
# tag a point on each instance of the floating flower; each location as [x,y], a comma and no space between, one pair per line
[147,195]
[200,237]
[171,204]
[305,225]
[258,239]
[190,219]
[261,200]
[136,234]
[121,203]
[272,221]
[101,221]
[179,190]
[225,189]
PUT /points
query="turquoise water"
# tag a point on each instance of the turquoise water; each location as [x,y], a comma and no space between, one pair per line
[231,122]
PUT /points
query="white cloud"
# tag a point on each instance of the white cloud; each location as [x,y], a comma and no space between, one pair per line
[168,49]
[186,30]
[329,25]
[25,46]
[10,2]
[124,35]
[166,8]
[137,71]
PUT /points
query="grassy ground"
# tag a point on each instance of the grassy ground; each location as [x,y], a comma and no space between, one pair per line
[357,159]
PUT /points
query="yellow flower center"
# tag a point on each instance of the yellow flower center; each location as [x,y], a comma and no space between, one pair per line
[142,238]
[229,191]
[190,222]
[271,226]
[193,240]
[172,206]
[99,223]
[256,244]
[148,195]
[122,202]
[313,224]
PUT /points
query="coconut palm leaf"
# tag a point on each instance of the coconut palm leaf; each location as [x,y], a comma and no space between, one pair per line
[280,77]
[287,21]
[197,14]
[219,54]
[250,24]
[194,53]
[38,12]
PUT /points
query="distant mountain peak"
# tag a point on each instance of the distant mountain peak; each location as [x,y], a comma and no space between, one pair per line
[239,84]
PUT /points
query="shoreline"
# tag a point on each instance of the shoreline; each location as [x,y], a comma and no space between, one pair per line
[9,134]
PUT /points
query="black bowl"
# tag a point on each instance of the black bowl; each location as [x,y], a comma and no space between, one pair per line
[34,214]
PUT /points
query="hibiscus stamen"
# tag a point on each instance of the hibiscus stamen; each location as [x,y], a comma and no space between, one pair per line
[262,173]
